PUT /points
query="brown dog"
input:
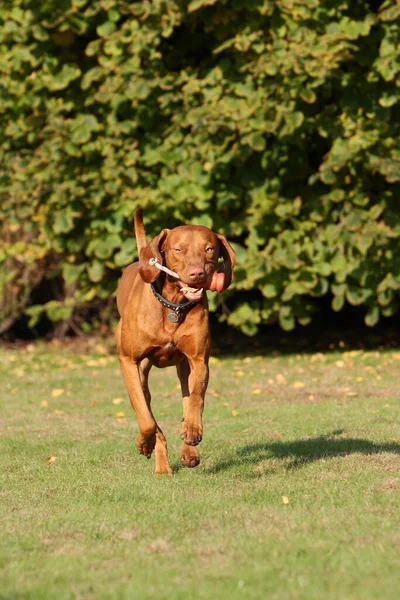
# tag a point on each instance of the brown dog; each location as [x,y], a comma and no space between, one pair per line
[164,322]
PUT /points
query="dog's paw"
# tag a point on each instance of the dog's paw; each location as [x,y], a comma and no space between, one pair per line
[191,434]
[189,456]
[145,444]
[163,470]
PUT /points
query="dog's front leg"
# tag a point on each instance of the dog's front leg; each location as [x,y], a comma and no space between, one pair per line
[131,373]
[160,450]
[192,426]
[189,454]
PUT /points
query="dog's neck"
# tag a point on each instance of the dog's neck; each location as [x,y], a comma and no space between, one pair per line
[171,292]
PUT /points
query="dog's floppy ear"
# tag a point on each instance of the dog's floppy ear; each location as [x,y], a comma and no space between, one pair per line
[152,250]
[229,256]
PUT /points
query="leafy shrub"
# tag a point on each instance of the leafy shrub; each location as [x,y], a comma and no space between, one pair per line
[274,122]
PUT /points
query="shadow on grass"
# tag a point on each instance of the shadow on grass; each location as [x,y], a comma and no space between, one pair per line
[295,454]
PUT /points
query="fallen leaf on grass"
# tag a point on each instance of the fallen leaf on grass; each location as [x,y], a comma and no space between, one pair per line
[256,392]
[44,403]
[285,500]
[214,361]
[234,413]
[101,349]
[280,379]
[239,373]
[58,412]
[391,484]
[127,535]
[159,545]
[359,379]
[318,357]
[92,363]
[120,414]
[51,460]
[298,384]
[57,392]
[117,401]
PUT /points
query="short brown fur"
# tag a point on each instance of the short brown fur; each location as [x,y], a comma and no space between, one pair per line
[145,337]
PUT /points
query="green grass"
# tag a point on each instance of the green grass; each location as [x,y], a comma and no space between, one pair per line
[319,429]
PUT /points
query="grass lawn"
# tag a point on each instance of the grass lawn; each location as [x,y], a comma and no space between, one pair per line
[296,497]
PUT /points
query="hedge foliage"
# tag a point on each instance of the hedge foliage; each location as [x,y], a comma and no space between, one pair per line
[274,122]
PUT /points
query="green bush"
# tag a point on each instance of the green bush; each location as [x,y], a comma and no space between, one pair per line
[276,123]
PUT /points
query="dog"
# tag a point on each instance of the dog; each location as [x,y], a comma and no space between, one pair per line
[164,322]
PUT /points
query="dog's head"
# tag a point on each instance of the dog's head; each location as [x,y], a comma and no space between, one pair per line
[194,252]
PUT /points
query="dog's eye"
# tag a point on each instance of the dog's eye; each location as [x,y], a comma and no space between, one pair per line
[210,250]
[178,250]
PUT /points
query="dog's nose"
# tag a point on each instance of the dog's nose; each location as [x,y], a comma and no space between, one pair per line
[196,273]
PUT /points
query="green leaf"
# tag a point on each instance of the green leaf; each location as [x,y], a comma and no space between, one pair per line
[294,288]
[71,273]
[323,269]
[127,254]
[95,271]
[269,290]
[106,29]
[256,141]
[294,121]
[58,311]
[63,78]
[204,220]
[338,303]
[83,127]
[286,318]
[357,296]
[388,100]
[39,33]
[372,316]
[63,222]
[308,95]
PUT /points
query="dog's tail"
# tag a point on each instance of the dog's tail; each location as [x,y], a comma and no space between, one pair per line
[139,230]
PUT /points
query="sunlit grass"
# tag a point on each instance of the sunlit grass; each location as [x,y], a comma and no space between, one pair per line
[318,431]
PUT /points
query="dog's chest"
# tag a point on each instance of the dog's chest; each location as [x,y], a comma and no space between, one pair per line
[165,355]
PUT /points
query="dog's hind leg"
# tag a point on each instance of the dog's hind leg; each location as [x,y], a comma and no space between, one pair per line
[131,372]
